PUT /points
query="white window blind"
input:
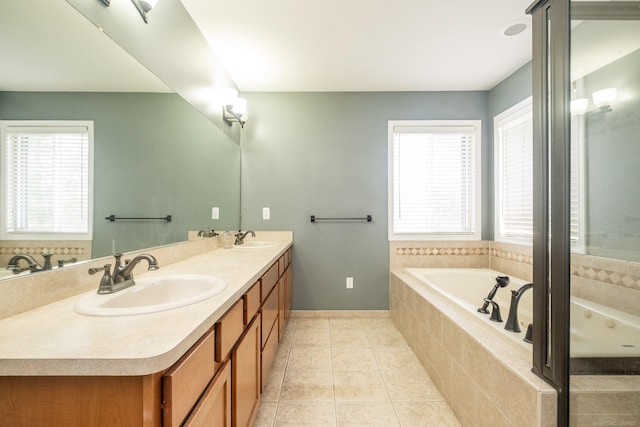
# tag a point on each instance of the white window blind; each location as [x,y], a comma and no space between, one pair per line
[435,179]
[514,173]
[46,181]
[577,188]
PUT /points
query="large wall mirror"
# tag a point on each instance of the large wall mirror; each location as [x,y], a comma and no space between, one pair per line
[154,153]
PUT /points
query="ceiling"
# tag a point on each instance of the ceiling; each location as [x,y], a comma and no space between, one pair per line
[358,45]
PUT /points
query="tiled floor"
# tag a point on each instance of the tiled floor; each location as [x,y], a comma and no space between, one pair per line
[349,372]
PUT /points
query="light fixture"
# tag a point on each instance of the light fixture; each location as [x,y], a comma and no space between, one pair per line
[144,7]
[235,111]
[579,106]
[604,98]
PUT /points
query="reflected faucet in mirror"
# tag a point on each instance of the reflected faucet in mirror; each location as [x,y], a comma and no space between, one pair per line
[32,264]
[122,276]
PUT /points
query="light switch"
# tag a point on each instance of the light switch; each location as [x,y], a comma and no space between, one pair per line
[266,213]
[215,213]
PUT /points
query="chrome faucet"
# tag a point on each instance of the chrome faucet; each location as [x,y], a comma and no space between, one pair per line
[512,321]
[33,265]
[240,236]
[122,276]
[207,233]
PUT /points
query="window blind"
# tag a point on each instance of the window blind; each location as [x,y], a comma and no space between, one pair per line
[515,168]
[46,180]
[434,180]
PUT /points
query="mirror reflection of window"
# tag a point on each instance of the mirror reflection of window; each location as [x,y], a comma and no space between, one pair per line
[46,180]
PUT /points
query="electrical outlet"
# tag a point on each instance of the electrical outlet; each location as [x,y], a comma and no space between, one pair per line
[266,213]
[349,282]
[215,213]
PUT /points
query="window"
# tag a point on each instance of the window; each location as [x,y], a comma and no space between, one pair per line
[434,180]
[46,180]
[513,137]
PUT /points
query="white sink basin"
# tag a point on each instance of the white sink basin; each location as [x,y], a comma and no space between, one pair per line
[152,295]
[256,244]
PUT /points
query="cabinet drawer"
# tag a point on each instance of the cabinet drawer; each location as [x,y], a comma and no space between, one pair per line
[281,265]
[251,302]
[214,408]
[186,380]
[228,330]
[269,313]
[269,280]
[269,354]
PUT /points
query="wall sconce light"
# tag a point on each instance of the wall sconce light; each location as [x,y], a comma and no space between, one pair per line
[604,98]
[235,111]
[579,106]
[144,7]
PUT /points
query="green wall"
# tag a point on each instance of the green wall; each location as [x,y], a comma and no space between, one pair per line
[154,155]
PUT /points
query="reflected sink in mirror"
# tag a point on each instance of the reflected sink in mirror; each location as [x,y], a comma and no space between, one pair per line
[151,295]
[256,244]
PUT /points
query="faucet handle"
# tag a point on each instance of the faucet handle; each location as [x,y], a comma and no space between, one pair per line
[495,312]
[106,282]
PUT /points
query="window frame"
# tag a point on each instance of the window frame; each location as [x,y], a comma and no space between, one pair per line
[15,236]
[514,112]
[476,234]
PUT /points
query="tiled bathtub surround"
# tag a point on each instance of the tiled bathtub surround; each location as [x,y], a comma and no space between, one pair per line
[514,260]
[484,380]
[606,281]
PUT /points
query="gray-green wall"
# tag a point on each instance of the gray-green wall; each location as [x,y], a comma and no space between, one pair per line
[325,154]
[154,155]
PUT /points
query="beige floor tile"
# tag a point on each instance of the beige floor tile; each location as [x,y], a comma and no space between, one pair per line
[271,392]
[311,338]
[410,386]
[377,323]
[346,338]
[366,414]
[306,414]
[350,324]
[396,358]
[353,358]
[385,337]
[309,385]
[425,414]
[312,323]
[359,386]
[310,358]
[266,414]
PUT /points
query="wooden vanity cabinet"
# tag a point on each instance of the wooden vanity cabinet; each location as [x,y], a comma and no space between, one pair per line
[245,376]
[214,408]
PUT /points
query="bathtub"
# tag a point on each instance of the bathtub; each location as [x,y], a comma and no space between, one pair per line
[596,331]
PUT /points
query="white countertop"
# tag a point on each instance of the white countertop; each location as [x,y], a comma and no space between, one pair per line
[55,340]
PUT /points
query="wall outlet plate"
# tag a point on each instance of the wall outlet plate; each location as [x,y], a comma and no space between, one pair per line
[349,282]
[266,213]
[215,213]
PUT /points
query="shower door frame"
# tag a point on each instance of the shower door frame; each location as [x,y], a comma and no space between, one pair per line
[551,186]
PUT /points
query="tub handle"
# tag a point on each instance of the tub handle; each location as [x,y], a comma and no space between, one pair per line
[495,310]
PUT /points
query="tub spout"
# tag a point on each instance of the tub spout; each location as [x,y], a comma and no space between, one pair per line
[501,282]
[512,321]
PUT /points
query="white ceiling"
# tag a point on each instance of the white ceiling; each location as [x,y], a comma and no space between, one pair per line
[364,45]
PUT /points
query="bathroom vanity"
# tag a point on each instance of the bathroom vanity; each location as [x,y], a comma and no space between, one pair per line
[201,364]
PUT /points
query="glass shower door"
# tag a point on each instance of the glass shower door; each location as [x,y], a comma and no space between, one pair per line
[604,362]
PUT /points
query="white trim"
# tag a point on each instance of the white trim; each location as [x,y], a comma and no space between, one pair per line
[55,124]
[403,125]
[512,113]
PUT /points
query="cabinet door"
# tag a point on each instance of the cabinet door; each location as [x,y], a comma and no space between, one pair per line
[245,374]
[214,408]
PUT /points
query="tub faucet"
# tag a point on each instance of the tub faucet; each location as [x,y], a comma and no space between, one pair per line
[512,321]
[240,236]
[501,282]
[495,310]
